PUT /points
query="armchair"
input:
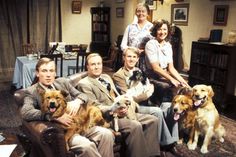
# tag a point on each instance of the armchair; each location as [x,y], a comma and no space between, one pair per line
[46,139]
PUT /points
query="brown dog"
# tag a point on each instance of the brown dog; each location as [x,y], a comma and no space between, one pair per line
[54,104]
[207,118]
[184,113]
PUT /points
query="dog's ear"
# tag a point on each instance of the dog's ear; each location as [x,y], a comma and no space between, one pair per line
[210,91]
[185,91]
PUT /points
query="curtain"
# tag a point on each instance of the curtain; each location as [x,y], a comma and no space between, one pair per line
[26,21]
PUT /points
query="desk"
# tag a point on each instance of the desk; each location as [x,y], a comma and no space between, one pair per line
[24,71]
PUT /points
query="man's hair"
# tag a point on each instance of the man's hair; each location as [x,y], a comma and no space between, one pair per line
[92,55]
[133,49]
[157,25]
[42,61]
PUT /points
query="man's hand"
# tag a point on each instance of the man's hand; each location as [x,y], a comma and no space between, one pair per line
[65,119]
[73,106]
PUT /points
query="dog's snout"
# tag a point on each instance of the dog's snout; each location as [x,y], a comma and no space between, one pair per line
[52,104]
[175,109]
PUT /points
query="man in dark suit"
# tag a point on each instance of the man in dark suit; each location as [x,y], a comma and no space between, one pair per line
[45,73]
[141,137]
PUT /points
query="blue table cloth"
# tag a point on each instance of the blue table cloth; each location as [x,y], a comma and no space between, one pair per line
[24,71]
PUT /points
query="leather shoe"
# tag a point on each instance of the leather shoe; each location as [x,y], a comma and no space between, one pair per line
[173,150]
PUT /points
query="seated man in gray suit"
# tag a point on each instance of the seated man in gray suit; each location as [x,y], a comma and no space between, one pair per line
[45,73]
[168,127]
[141,137]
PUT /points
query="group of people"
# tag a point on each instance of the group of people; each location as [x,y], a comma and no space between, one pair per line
[155,127]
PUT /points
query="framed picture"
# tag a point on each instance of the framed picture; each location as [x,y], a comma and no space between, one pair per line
[76,7]
[120,1]
[120,12]
[152,4]
[179,14]
[221,15]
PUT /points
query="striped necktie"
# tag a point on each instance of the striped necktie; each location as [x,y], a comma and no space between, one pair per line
[108,87]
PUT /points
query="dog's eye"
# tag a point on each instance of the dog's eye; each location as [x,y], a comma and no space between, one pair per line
[48,97]
[203,90]
[57,97]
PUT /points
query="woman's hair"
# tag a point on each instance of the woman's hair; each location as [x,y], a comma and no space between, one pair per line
[157,25]
[142,5]
[133,49]
[42,61]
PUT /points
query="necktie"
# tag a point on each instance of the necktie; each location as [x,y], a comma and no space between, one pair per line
[108,87]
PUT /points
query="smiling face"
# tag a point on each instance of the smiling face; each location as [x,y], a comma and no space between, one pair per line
[162,33]
[94,65]
[130,58]
[141,13]
[201,94]
[46,73]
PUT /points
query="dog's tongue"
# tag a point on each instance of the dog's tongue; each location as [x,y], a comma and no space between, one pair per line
[176,116]
[52,110]
[197,102]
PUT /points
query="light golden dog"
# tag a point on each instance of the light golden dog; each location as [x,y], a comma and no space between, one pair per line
[54,104]
[184,113]
[124,102]
[207,118]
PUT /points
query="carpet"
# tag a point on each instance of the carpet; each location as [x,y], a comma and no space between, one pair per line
[10,122]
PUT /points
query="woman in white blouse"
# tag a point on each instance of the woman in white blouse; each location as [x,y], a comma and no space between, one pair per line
[159,57]
[138,33]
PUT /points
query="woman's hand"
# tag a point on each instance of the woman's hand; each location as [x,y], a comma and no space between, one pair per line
[175,82]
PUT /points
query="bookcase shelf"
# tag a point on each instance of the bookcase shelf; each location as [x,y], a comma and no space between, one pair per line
[100,30]
[214,65]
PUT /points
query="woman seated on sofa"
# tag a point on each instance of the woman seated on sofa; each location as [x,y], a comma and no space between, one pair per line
[159,59]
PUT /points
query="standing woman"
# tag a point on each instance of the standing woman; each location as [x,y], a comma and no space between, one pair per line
[159,56]
[138,33]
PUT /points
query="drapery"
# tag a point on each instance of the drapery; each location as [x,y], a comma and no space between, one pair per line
[26,21]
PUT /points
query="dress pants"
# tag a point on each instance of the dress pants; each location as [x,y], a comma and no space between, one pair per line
[141,137]
[168,132]
[97,142]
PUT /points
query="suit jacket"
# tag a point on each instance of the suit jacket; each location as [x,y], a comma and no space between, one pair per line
[32,102]
[96,92]
[120,79]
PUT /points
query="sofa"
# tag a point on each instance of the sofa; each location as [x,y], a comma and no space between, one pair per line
[46,139]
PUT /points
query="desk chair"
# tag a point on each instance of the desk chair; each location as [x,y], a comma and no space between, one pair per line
[56,58]
[80,67]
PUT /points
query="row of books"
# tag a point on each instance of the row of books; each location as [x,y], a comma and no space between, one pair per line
[100,27]
[214,58]
[100,17]
[214,75]
[101,37]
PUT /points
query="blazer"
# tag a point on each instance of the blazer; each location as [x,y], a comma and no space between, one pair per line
[120,79]
[96,92]
[32,102]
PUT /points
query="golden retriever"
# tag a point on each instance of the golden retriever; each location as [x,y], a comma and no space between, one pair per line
[54,104]
[184,113]
[207,118]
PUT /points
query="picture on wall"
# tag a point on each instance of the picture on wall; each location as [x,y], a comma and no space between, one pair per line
[179,14]
[221,15]
[120,12]
[76,7]
[152,4]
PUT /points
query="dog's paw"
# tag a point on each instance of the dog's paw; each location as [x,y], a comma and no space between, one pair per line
[204,150]
[192,146]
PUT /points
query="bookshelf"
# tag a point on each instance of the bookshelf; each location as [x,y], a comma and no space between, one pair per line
[100,30]
[214,64]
